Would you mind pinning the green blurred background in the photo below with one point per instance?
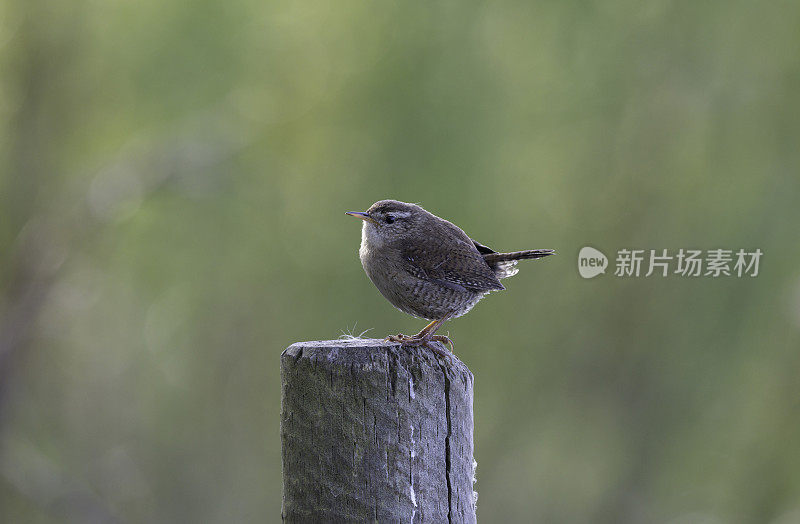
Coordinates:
(172, 186)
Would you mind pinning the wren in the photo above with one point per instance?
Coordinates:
(428, 267)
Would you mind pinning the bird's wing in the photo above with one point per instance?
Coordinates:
(454, 262)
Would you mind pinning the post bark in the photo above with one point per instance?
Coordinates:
(373, 431)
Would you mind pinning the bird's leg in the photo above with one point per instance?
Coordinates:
(428, 333)
(418, 337)
(430, 328)
(424, 337)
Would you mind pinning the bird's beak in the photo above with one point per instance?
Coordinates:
(361, 215)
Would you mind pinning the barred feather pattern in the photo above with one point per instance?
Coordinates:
(504, 264)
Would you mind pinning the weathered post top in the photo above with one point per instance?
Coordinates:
(371, 430)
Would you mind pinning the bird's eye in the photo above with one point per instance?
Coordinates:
(389, 219)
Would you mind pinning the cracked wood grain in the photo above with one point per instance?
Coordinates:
(372, 431)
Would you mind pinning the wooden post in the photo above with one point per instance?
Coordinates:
(372, 431)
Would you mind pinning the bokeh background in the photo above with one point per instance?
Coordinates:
(173, 177)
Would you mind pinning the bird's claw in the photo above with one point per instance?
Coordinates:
(399, 338)
(446, 341)
(405, 340)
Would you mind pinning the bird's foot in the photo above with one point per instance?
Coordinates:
(446, 341)
(424, 340)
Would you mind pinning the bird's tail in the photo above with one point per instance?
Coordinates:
(494, 258)
(503, 264)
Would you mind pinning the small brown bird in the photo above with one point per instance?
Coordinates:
(428, 267)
